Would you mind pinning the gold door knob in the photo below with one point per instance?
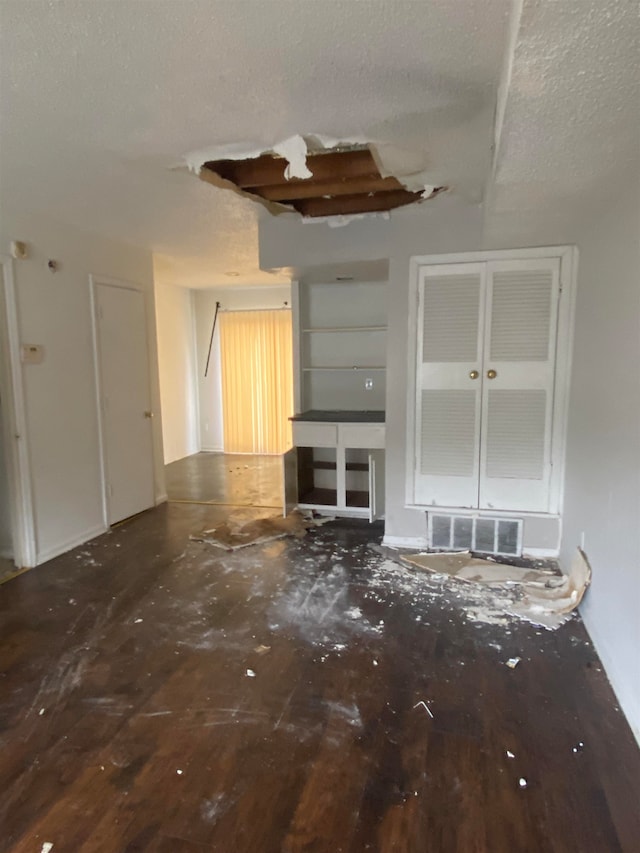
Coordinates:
(148, 414)
(473, 374)
(491, 374)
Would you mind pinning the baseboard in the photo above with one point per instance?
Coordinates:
(63, 547)
(541, 553)
(162, 499)
(205, 449)
(405, 541)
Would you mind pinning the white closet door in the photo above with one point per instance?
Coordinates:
(448, 397)
(517, 403)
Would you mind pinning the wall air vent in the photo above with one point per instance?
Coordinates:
(500, 536)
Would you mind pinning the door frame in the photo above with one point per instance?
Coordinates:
(15, 425)
(94, 282)
(568, 256)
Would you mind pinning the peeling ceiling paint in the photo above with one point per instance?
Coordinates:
(100, 101)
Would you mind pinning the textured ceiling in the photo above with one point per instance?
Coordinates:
(100, 99)
(570, 136)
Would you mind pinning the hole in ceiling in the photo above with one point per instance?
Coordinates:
(341, 183)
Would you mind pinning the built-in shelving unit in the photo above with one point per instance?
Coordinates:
(337, 467)
(341, 345)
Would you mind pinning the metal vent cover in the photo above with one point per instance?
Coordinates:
(500, 536)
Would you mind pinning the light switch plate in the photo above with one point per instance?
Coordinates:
(32, 353)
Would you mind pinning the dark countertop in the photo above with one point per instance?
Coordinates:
(341, 417)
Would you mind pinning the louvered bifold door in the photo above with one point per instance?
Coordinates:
(518, 380)
(448, 386)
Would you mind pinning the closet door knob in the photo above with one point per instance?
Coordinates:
(473, 374)
(491, 374)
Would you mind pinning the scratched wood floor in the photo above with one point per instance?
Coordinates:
(130, 721)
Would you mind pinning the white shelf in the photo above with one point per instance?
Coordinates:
(331, 329)
(352, 369)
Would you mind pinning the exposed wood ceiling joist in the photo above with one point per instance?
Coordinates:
(342, 182)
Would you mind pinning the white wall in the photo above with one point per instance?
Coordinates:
(602, 499)
(603, 458)
(447, 225)
(210, 388)
(177, 367)
(61, 413)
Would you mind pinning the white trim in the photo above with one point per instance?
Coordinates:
(162, 498)
(195, 384)
(295, 329)
(15, 426)
(206, 449)
(405, 541)
(412, 338)
(564, 363)
(102, 452)
(493, 255)
(568, 256)
(69, 544)
(94, 282)
(482, 513)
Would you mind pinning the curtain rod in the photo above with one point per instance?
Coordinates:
(239, 310)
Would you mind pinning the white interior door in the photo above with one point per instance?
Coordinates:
(519, 368)
(451, 302)
(6, 528)
(125, 404)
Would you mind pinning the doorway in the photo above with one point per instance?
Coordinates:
(124, 399)
(256, 361)
(7, 565)
(17, 536)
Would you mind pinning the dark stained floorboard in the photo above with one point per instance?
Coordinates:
(323, 750)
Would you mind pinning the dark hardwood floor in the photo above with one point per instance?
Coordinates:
(161, 695)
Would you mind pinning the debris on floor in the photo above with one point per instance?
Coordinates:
(542, 597)
(232, 537)
(512, 663)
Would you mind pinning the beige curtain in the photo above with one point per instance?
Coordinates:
(257, 380)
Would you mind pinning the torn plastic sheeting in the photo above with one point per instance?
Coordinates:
(294, 151)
